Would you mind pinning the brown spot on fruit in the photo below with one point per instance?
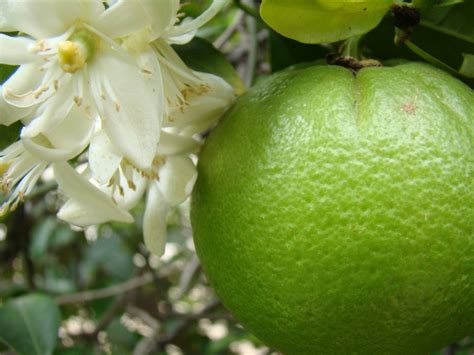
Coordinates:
(409, 108)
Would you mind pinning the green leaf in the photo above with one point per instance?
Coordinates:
(119, 335)
(9, 134)
(41, 233)
(445, 35)
(201, 55)
(111, 255)
(467, 67)
(430, 59)
(30, 324)
(79, 349)
(317, 21)
(446, 38)
(455, 21)
(285, 52)
(6, 71)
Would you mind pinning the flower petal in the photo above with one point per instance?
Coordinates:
(104, 159)
(154, 221)
(28, 86)
(77, 127)
(24, 80)
(132, 194)
(176, 144)
(177, 177)
(49, 154)
(10, 114)
(89, 205)
(63, 142)
(202, 110)
(57, 108)
(181, 39)
(5, 25)
(123, 18)
(14, 50)
(130, 116)
(162, 14)
(201, 20)
(150, 67)
(42, 19)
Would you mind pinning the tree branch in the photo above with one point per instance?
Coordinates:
(110, 291)
(157, 342)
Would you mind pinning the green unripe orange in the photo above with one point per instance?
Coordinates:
(334, 213)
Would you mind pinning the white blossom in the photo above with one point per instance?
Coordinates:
(171, 177)
(101, 80)
(68, 56)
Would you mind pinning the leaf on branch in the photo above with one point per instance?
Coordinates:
(453, 21)
(30, 324)
(446, 35)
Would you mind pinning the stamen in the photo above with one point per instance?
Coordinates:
(78, 101)
(40, 91)
(131, 185)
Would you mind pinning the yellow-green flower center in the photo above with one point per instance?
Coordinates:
(74, 53)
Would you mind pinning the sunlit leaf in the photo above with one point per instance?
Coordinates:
(317, 21)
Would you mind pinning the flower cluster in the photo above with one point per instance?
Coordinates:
(99, 85)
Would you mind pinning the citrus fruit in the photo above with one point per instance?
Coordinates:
(334, 212)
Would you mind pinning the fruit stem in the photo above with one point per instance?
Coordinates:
(352, 47)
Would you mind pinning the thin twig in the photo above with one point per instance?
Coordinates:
(187, 276)
(110, 291)
(251, 24)
(156, 342)
(144, 316)
(249, 10)
(225, 36)
(186, 323)
(110, 314)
